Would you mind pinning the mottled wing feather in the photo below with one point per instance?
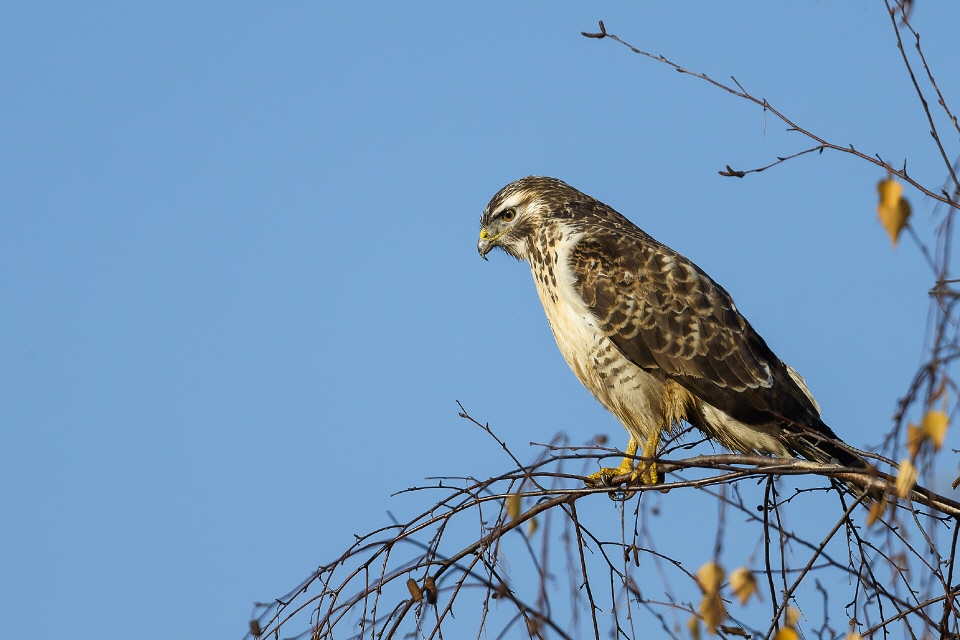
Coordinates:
(663, 313)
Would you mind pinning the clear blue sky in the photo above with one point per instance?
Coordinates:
(239, 288)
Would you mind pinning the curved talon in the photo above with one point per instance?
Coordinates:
(645, 473)
(604, 477)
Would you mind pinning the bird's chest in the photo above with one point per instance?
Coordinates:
(629, 392)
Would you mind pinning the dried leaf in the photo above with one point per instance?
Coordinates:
(743, 583)
(915, 438)
(713, 612)
(893, 209)
(906, 478)
(792, 616)
(853, 635)
(934, 426)
(532, 526)
(513, 506)
(877, 509)
(787, 633)
(693, 625)
(734, 631)
(710, 577)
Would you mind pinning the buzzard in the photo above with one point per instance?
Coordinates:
(651, 335)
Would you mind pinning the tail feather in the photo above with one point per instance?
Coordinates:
(824, 448)
(820, 444)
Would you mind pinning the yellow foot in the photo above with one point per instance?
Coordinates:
(645, 473)
(604, 477)
(650, 475)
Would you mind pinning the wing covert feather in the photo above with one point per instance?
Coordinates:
(663, 313)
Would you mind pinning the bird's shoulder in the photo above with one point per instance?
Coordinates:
(661, 310)
(615, 259)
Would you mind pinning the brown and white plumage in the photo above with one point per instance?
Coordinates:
(651, 335)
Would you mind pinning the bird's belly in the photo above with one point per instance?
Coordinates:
(630, 393)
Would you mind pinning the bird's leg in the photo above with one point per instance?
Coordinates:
(648, 470)
(604, 477)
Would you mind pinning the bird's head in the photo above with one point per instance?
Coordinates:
(517, 212)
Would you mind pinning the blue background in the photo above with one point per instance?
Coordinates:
(239, 288)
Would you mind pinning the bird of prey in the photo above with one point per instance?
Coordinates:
(651, 335)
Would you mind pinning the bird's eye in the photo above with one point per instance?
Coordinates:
(509, 214)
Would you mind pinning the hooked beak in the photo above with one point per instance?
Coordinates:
(487, 242)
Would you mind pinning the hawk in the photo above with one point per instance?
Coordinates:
(651, 335)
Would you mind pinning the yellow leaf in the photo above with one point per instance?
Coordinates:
(513, 505)
(893, 209)
(713, 611)
(915, 438)
(710, 577)
(792, 617)
(532, 526)
(743, 583)
(693, 625)
(787, 633)
(934, 426)
(877, 509)
(906, 478)
(853, 635)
